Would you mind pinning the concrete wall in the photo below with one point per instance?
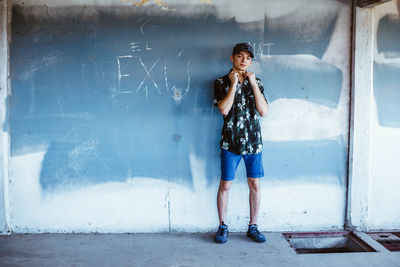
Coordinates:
(360, 127)
(300, 54)
(375, 136)
(385, 120)
(4, 137)
(57, 184)
(303, 57)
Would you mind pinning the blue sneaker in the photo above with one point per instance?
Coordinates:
(255, 234)
(222, 234)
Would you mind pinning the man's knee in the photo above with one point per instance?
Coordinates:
(254, 184)
(224, 186)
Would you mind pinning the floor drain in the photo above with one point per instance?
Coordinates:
(326, 242)
(390, 240)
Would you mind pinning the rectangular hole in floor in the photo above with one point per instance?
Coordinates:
(390, 240)
(326, 242)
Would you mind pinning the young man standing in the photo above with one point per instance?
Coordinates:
(240, 98)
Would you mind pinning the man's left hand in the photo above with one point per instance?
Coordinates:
(252, 78)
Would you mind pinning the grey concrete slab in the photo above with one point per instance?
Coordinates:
(166, 249)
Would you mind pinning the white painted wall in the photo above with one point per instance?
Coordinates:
(384, 211)
(361, 105)
(374, 162)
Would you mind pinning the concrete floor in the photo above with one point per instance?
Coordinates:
(171, 250)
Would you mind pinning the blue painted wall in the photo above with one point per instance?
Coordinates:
(386, 75)
(126, 95)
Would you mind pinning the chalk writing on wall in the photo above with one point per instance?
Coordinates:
(131, 96)
(126, 60)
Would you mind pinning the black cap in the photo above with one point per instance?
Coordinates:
(243, 47)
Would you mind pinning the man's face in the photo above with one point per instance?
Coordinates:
(241, 61)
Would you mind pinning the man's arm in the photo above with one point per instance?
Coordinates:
(226, 103)
(261, 103)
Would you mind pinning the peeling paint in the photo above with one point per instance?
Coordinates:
(139, 3)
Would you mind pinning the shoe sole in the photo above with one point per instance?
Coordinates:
(258, 241)
(220, 241)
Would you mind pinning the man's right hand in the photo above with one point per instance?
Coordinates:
(225, 104)
(234, 77)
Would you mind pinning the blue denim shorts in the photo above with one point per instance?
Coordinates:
(230, 162)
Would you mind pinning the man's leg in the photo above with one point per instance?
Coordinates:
(222, 203)
(254, 198)
(222, 199)
(229, 163)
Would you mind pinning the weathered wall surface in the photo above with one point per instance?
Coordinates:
(113, 128)
(4, 137)
(385, 168)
